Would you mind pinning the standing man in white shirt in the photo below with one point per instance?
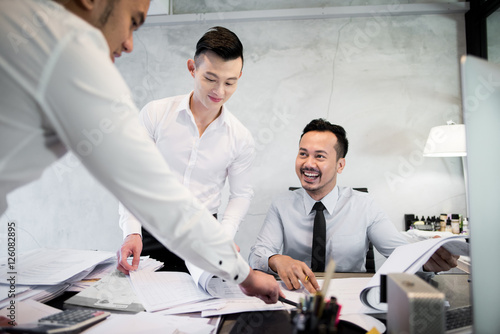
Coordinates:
(284, 245)
(60, 91)
(201, 141)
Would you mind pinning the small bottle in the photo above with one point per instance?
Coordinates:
(437, 223)
(455, 223)
(417, 224)
(448, 225)
(465, 226)
(442, 220)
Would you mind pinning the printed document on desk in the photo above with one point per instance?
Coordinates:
(176, 293)
(410, 259)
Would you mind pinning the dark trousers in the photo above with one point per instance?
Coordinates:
(155, 249)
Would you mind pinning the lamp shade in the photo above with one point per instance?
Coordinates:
(446, 141)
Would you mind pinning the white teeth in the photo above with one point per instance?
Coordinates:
(310, 174)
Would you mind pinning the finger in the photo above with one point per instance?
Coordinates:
(281, 293)
(295, 281)
(123, 259)
(123, 270)
(284, 279)
(135, 261)
(313, 281)
(441, 263)
(306, 282)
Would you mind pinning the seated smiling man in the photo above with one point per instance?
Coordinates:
(351, 218)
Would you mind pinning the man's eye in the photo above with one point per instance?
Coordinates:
(211, 80)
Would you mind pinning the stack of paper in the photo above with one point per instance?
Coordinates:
(43, 274)
(107, 288)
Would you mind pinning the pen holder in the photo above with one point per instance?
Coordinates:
(315, 316)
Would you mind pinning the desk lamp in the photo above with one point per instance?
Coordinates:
(449, 141)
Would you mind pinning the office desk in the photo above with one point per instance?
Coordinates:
(454, 286)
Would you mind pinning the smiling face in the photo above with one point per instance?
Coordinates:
(215, 80)
(118, 19)
(317, 165)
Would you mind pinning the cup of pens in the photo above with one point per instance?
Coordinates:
(317, 314)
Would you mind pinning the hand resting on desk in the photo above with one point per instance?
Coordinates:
(292, 272)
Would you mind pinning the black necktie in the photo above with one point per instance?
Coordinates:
(319, 239)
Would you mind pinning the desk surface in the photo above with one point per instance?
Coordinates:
(455, 287)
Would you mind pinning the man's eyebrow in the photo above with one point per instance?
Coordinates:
(142, 18)
(301, 149)
(215, 75)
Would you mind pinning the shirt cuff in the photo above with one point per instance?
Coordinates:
(132, 227)
(242, 271)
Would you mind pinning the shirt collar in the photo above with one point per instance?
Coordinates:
(329, 201)
(184, 107)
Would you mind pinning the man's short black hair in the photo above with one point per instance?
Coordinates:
(323, 125)
(222, 41)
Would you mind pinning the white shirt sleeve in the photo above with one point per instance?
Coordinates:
(127, 221)
(240, 188)
(269, 241)
(90, 109)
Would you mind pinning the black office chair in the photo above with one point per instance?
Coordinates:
(370, 255)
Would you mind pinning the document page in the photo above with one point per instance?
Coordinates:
(410, 259)
(200, 276)
(162, 290)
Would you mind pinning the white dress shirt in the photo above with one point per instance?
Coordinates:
(352, 220)
(59, 89)
(225, 150)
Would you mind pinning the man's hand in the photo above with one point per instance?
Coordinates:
(441, 260)
(5, 322)
(132, 245)
(263, 286)
(292, 271)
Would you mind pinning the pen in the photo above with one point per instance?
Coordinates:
(287, 301)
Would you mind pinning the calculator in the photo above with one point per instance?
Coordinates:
(65, 322)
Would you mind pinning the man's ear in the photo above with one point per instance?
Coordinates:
(191, 66)
(340, 165)
(86, 4)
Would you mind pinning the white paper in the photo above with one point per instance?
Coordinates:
(199, 276)
(144, 322)
(410, 259)
(51, 266)
(162, 290)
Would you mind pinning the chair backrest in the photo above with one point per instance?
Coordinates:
(370, 255)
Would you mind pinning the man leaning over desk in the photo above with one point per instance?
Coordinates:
(60, 91)
(351, 218)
